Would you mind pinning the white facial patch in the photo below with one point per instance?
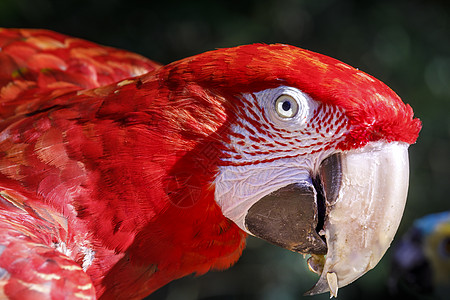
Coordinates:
(238, 188)
(280, 137)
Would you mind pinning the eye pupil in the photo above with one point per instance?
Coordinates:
(286, 105)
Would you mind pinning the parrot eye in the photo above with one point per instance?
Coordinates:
(286, 106)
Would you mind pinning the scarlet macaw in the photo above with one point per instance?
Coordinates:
(119, 175)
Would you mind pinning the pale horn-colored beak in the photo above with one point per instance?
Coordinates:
(360, 225)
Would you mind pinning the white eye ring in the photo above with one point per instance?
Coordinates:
(286, 106)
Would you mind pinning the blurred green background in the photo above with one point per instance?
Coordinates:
(404, 43)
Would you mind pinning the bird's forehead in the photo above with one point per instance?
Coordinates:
(252, 68)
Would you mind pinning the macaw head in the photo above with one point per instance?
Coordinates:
(313, 153)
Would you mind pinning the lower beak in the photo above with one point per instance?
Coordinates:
(355, 209)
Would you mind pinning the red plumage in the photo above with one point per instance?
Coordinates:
(112, 156)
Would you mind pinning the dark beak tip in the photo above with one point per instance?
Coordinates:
(288, 218)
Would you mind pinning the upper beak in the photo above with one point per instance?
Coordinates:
(354, 206)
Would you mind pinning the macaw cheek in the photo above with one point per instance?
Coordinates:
(288, 218)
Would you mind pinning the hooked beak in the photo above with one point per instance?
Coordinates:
(350, 212)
